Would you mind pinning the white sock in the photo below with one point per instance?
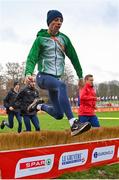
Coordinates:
(39, 106)
(71, 121)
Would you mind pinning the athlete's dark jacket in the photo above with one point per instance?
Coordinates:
(9, 99)
(24, 98)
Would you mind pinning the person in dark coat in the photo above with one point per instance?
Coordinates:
(9, 103)
(26, 96)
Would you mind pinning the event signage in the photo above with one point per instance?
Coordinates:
(103, 153)
(73, 158)
(52, 161)
(34, 165)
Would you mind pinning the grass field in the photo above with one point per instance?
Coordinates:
(104, 172)
(48, 123)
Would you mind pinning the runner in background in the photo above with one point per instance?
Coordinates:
(27, 96)
(9, 101)
(87, 96)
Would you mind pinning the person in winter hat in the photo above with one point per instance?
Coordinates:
(16, 82)
(53, 14)
(48, 51)
(9, 101)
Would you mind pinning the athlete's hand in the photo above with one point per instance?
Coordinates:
(28, 79)
(11, 108)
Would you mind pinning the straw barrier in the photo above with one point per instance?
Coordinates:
(48, 154)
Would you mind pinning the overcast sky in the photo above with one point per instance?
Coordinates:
(91, 25)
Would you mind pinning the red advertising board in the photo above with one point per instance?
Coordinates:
(52, 161)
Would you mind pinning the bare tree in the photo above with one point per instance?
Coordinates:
(68, 76)
(110, 88)
(113, 87)
(14, 70)
(103, 89)
(70, 81)
(2, 84)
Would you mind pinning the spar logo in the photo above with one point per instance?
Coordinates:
(103, 153)
(34, 165)
(73, 159)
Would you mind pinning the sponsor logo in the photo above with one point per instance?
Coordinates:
(34, 165)
(103, 153)
(73, 159)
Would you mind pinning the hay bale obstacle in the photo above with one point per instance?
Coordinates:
(10, 141)
(48, 154)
